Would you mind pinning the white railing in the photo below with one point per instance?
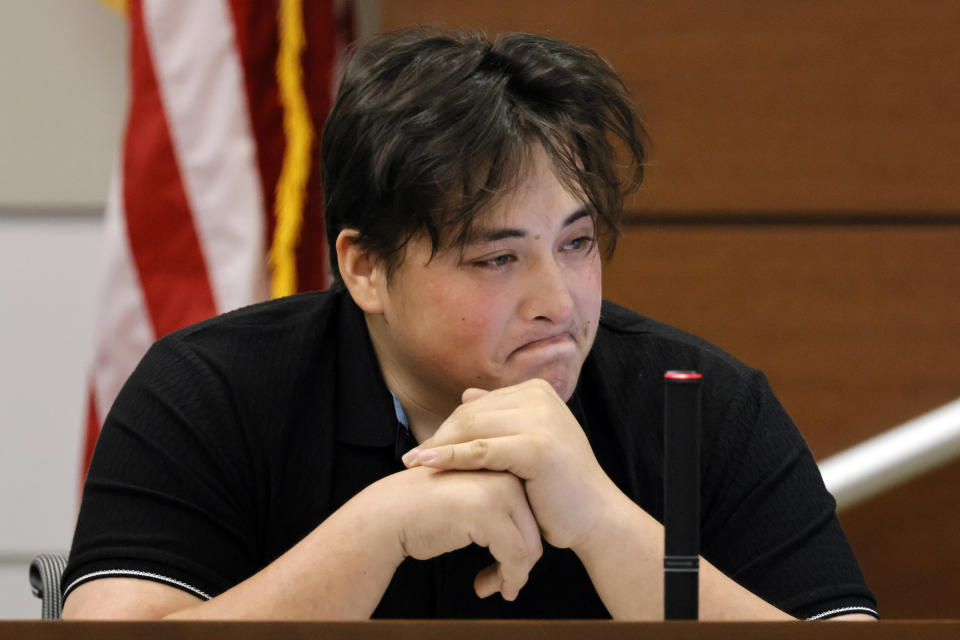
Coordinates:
(894, 457)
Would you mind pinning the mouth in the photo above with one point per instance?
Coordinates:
(558, 342)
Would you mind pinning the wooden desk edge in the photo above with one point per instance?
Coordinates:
(483, 630)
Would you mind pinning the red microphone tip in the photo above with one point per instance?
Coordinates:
(682, 375)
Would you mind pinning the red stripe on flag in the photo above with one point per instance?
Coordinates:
(258, 41)
(324, 29)
(163, 240)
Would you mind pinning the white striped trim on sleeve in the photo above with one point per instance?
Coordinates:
(135, 574)
(844, 610)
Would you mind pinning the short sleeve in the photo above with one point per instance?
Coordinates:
(169, 495)
(769, 522)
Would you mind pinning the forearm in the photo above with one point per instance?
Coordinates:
(339, 571)
(624, 557)
(343, 567)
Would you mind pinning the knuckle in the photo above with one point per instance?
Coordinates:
(480, 449)
(459, 419)
(537, 443)
(542, 386)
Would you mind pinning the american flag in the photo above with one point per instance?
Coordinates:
(215, 202)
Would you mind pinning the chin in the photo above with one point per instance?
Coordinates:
(564, 388)
(561, 382)
(561, 376)
(557, 375)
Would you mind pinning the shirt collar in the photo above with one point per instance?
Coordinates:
(366, 414)
(401, 414)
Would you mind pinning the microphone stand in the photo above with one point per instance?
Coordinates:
(681, 495)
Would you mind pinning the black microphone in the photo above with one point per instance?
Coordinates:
(681, 495)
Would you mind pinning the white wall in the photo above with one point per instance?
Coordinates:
(63, 68)
(48, 276)
(63, 72)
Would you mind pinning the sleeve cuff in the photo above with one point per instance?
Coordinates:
(129, 573)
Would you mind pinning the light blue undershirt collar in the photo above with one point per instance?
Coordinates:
(401, 414)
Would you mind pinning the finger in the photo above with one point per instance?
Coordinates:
(487, 581)
(515, 453)
(503, 412)
(507, 395)
(514, 556)
(527, 386)
(525, 397)
(529, 528)
(472, 393)
(479, 423)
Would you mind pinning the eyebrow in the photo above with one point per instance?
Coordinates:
(492, 235)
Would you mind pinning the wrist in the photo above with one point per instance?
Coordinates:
(618, 524)
(377, 525)
(624, 557)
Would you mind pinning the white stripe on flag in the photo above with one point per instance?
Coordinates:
(123, 331)
(200, 76)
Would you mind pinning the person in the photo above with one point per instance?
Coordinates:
(461, 415)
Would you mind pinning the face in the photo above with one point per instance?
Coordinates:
(520, 301)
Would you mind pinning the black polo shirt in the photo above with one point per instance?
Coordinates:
(236, 437)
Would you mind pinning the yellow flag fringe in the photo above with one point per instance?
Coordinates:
(118, 6)
(291, 187)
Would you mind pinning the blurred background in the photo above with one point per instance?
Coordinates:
(801, 210)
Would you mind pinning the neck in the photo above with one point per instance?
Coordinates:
(426, 410)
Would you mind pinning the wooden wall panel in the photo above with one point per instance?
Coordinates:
(906, 541)
(858, 329)
(768, 107)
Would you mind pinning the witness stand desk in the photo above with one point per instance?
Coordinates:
(482, 630)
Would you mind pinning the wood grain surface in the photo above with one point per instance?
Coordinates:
(768, 107)
(476, 630)
(858, 328)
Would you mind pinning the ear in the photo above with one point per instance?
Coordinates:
(361, 274)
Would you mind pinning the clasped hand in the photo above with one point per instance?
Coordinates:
(528, 431)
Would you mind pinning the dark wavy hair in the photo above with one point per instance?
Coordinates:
(430, 127)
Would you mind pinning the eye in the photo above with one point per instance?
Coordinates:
(501, 260)
(579, 244)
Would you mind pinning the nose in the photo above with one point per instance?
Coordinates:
(547, 293)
